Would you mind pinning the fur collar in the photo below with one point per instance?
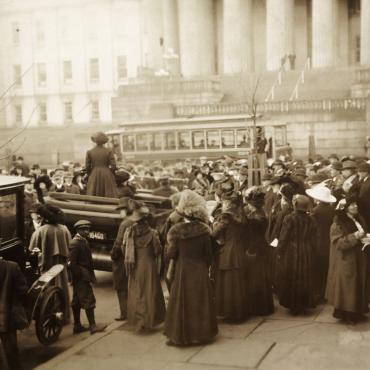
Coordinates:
(186, 230)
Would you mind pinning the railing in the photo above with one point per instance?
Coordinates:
(300, 80)
(363, 75)
(325, 105)
(278, 80)
(166, 86)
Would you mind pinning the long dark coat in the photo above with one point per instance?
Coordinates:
(363, 201)
(145, 301)
(191, 314)
(100, 163)
(13, 288)
(348, 277)
(323, 214)
(259, 290)
(296, 249)
(120, 279)
(230, 288)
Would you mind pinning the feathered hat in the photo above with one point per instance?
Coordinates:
(193, 206)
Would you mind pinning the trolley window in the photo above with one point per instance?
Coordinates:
(128, 143)
(155, 141)
(198, 139)
(227, 138)
(243, 139)
(213, 139)
(141, 142)
(115, 144)
(8, 214)
(169, 141)
(184, 140)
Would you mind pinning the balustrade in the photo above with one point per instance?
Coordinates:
(326, 105)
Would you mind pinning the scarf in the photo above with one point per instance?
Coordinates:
(128, 245)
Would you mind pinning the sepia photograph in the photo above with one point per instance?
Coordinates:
(184, 184)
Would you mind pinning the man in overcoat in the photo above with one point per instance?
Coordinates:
(363, 196)
(120, 281)
(13, 287)
(82, 270)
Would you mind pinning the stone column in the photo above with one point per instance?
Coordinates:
(237, 36)
(365, 32)
(196, 37)
(170, 36)
(279, 32)
(324, 30)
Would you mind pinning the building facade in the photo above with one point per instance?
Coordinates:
(62, 62)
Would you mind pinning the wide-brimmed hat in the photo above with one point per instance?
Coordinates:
(51, 214)
(300, 171)
(139, 214)
(322, 194)
(100, 138)
(256, 198)
(317, 178)
(217, 176)
(267, 176)
(82, 224)
(122, 176)
(334, 156)
(123, 203)
(364, 167)
(349, 165)
(301, 202)
(337, 166)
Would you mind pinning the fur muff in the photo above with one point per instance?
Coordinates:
(193, 206)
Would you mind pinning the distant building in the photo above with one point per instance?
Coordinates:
(65, 64)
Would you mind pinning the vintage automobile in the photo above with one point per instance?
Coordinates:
(45, 301)
(105, 219)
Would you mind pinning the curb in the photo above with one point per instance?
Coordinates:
(78, 347)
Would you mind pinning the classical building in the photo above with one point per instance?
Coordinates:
(74, 66)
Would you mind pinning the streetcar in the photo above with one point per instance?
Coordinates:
(179, 138)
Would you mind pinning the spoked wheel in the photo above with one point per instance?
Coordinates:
(49, 322)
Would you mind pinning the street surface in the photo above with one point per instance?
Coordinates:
(277, 342)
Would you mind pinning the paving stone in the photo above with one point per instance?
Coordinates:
(286, 356)
(123, 343)
(232, 352)
(239, 331)
(297, 331)
(282, 313)
(162, 352)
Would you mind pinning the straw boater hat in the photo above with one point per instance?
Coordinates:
(321, 193)
(99, 138)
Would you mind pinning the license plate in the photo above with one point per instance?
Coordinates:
(97, 235)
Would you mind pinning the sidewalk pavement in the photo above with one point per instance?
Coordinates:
(276, 342)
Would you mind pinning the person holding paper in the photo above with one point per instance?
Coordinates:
(348, 277)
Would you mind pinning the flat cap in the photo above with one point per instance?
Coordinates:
(82, 223)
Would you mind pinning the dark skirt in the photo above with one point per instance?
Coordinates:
(145, 302)
(231, 294)
(191, 314)
(102, 183)
(259, 289)
(296, 280)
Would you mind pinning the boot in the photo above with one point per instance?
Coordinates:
(94, 328)
(77, 327)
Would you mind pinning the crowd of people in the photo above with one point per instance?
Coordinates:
(226, 249)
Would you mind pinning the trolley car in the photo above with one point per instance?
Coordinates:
(179, 138)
